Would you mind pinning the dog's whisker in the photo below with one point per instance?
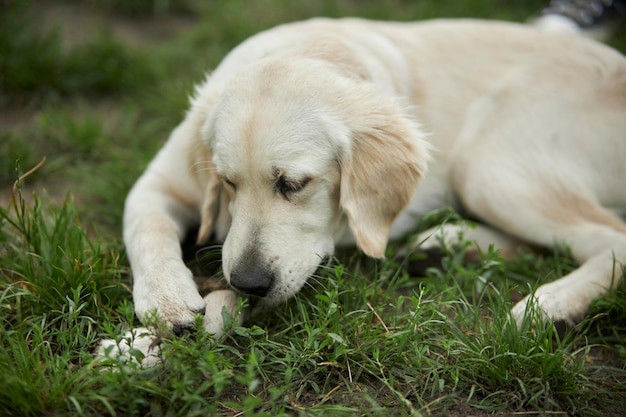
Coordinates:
(213, 249)
(197, 170)
(209, 253)
(313, 281)
(209, 266)
(203, 166)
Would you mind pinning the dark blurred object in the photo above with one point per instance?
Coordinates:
(588, 14)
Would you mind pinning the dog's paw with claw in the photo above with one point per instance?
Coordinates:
(175, 302)
(142, 345)
(552, 302)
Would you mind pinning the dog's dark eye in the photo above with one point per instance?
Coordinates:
(230, 184)
(286, 186)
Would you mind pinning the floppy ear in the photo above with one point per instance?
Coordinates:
(380, 173)
(203, 173)
(210, 210)
(214, 215)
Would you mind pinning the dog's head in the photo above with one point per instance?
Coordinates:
(305, 155)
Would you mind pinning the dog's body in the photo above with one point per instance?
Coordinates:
(319, 133)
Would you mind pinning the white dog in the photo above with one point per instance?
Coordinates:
(336, 132)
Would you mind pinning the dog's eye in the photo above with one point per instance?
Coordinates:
(286, 186)
(230, 184)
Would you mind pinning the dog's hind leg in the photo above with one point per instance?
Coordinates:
(595, 236)
(482, 236)
(433, 243)
(544, 169)
(601, 251)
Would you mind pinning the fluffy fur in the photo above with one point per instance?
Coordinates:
(336, 132)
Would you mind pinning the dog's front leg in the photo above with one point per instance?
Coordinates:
(155, 221)
(159, 210)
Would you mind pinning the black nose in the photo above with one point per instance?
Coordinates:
(253, 280)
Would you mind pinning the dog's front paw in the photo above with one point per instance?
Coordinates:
(168, 295)
(140, 346)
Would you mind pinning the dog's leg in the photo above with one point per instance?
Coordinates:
(595, 236)
(162, 205)
(601, 251)
(434, 241)
(483, 236)
(565, 299)
(530, 169)
(148, 341)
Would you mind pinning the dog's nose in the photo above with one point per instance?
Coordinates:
(255, 280)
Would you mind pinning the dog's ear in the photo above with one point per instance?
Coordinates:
(210, 211)
(214, 216)
(204, 175)
(380, 172)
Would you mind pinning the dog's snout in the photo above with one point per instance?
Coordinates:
(255, 280)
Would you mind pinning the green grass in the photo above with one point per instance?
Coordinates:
(364, 338)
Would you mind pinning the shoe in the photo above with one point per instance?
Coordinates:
(595, 17)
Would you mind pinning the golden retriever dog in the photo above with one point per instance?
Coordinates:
(328, 132)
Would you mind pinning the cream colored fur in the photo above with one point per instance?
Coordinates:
(333, 132)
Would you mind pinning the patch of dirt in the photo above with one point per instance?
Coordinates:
(606, 356)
